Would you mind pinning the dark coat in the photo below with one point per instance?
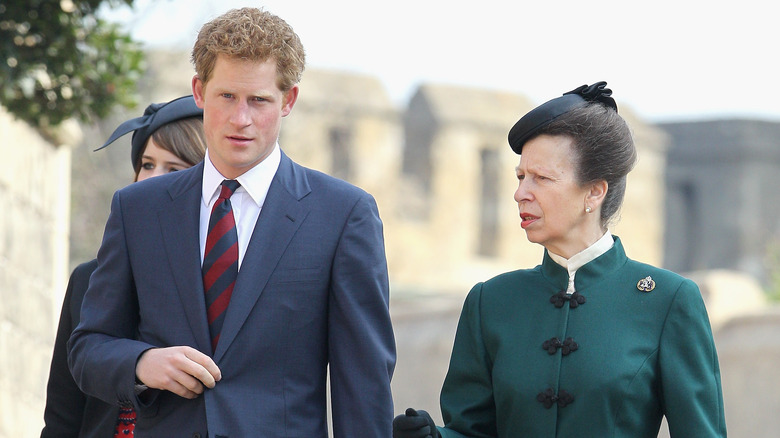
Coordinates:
(69, 413)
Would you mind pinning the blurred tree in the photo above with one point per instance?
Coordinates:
(59, 60)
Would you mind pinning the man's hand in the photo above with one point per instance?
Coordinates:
(181, 370)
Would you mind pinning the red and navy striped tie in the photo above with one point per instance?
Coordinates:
(220, 261)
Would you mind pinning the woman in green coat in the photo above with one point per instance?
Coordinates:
(590, 343)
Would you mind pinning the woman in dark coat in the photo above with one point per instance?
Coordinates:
(590, 343)
(168, 137)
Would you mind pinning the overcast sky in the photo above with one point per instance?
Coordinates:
(667, 60)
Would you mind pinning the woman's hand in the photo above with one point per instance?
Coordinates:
(414, 424)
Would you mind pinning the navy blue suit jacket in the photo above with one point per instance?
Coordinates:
(311, 297)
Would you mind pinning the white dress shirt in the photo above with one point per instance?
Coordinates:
(583, 257)
(247, 201)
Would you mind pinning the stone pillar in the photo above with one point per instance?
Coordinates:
(34, 200)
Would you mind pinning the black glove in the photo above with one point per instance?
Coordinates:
(414, 424)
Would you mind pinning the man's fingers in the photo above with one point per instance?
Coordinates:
(203, 367)
(185, 386)
(181, 370)
(189, 382)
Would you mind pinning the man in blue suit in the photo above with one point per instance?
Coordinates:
(310, 298)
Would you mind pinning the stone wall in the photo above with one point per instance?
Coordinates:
(749, 351)
(34, 198)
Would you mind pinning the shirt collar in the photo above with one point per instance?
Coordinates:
(586, 255)
(255, 181)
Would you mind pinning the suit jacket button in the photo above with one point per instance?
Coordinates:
(196, 435)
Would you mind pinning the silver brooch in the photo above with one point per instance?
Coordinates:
(646, 284)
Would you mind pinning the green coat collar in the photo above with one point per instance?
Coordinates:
(591, 272)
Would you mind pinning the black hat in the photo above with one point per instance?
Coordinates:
(155, 116)
(542, 115)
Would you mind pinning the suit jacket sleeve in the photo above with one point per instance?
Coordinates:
(102, 351)
(361, 345)
(691, 388)
(467, 394)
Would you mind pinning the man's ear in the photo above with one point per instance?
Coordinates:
(198, 88)
(290, 97)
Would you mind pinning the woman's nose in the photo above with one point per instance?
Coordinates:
(521, 194)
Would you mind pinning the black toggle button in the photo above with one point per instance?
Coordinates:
(548, 398)
(575, 299)
(553, 344)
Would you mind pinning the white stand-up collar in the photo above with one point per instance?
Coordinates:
(583, 257)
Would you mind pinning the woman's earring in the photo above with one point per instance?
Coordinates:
(587, 209)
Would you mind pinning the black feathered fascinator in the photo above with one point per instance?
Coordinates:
(542, 115)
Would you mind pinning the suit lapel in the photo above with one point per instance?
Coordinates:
(181, 237)
(280, 217)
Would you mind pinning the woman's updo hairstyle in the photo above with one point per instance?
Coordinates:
(604, 150)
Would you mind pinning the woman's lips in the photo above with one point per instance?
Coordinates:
(527, 219)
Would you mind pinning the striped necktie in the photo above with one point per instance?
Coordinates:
(220, 261)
